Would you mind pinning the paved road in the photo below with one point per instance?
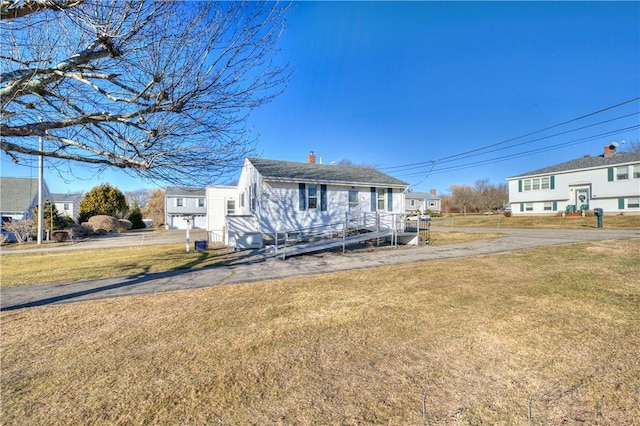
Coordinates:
(514, 239)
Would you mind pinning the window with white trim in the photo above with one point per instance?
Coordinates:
(535, 184)
(200, 202)
(381, 196)
(622, 173)
(633, 203)
(412, 203)
(528, 207)
(545, 183)
(312, 197)
(231, 207)
(636, 171)
(548, 207)
(179, 202)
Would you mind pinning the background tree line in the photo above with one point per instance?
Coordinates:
(481, 197)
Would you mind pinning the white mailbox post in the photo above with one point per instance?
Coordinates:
(189, 219)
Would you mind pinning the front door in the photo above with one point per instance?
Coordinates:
(582, 198)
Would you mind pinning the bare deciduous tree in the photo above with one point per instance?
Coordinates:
(161, 89)
(489, 196)
(463, 196)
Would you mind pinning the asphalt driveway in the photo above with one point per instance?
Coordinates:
(515, 239)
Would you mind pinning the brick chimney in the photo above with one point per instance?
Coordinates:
(311, 158)
(432, 193)
(609, 150)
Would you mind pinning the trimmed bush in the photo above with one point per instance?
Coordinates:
(124, 225)
(60, 236)
(107, 223)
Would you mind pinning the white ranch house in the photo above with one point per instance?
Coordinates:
(275, 196)
(610, 181)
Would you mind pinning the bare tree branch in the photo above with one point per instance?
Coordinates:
(10, 9)
(162, 89)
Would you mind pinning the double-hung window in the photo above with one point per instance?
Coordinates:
(545, 183)
(231, 207)
(381, 197)
(535, 184)
(312, 197)
(622, 173)
(179, 202)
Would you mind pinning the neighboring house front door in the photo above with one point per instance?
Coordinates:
(582, 198)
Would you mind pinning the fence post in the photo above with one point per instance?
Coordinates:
(344, 231)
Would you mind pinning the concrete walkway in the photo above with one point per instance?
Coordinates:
(515, 239)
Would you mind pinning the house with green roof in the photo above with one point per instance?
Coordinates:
(19, 196)
(281, 196)
(610, 181)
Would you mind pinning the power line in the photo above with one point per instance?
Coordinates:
(449, 160)
(483, 148)
(519, 154)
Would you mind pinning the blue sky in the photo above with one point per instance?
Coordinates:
(439, 93)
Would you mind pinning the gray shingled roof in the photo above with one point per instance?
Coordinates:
(18, 194)
(587, 162)
(416, 195)
(65, 198)
(323, 173)
(184, 191)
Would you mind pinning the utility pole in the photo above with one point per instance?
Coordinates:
(40, 195)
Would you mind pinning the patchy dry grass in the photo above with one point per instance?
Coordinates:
(629, 221)
(474, 341)
(67, 266)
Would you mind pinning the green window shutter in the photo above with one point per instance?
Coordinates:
(302, 196)
(374, 198)
(621, 203)
(553, 183)
(555, 205)
(521, 207)
(389, 199)
(610, 174)
(519, 185)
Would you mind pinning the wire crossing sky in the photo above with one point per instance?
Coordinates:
(443, 93)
